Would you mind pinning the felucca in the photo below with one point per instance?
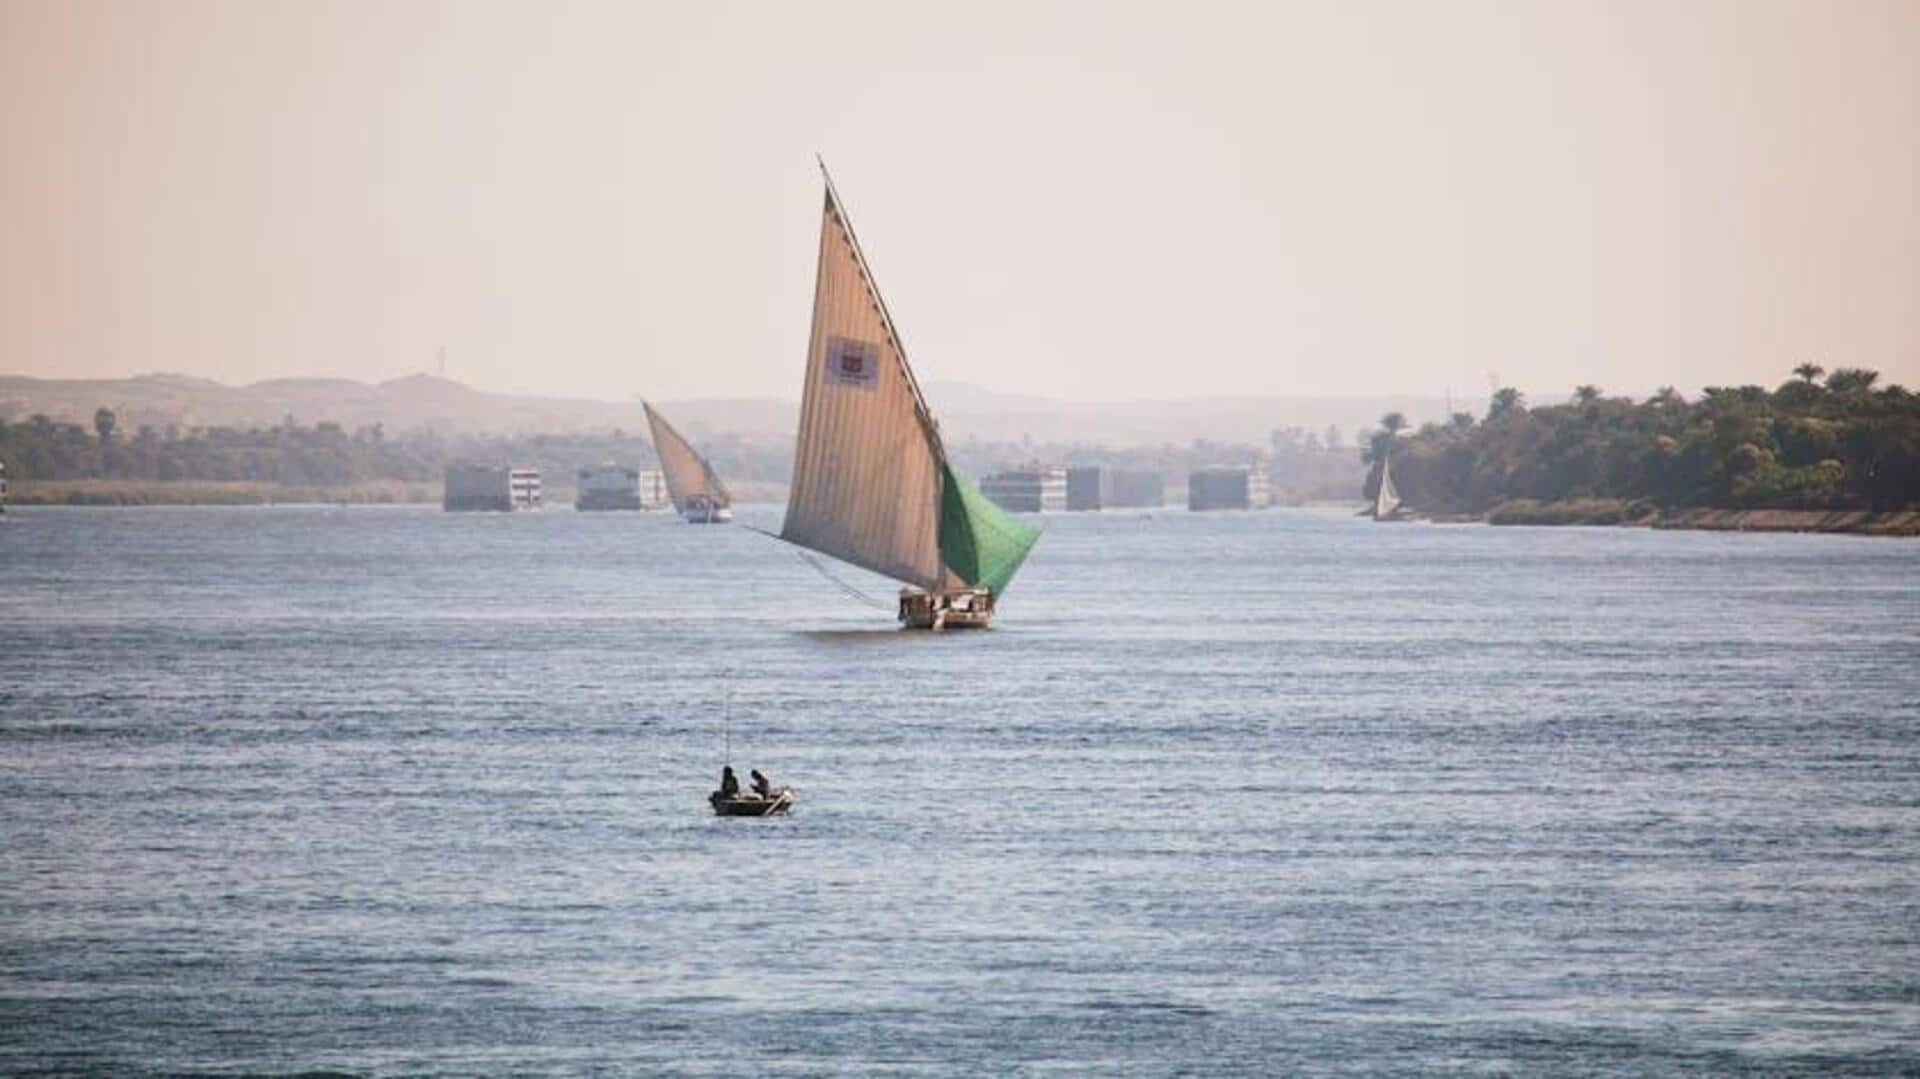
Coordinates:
(872, 485)
(1386, 501)
(695, 488)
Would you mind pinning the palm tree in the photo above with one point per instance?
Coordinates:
(1586, 395)
(104, 421)
(1506, 400)
(1809, 371)
(1377, 447)
(1850, 379)
(1394, 422)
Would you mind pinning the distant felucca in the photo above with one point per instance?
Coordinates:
(1386, 501)
(871, 481)
(697, 493)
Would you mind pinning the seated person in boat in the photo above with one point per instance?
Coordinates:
(729, 786)
(760, 785)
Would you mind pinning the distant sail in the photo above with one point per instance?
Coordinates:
(1386, 500)
(691, 481)
(871, 484)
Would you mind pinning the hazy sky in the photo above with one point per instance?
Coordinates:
(1096, 200)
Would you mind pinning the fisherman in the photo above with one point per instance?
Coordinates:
(729, 784)
(760, 785)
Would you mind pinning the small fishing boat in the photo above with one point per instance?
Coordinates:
(695, 488)
(872, 483)
(752, 805)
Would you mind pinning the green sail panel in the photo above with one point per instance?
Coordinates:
(980, 542)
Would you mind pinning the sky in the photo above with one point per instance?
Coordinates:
(1096, 201)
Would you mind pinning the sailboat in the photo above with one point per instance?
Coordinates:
(872, 484)
(695, 488)
(1386, 501)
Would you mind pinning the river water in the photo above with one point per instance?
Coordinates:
(397, 791)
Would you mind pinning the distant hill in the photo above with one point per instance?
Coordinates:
(415, 402)
(424, 402)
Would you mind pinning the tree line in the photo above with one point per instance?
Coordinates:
(1839, 443)
(323, 454)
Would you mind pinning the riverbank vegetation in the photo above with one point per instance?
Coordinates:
(53, 462)
(1839, 443)
(96, 492)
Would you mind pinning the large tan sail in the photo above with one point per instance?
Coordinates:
(867, 465)
(689, 477)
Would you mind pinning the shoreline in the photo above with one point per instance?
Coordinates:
(251, 493)
(1614, 513)
(1852, 522)
(217, 493)
(1596, 512)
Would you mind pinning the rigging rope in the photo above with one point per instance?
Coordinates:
(840, 584)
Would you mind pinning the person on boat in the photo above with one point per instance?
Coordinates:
(729, 783)
(760, 785)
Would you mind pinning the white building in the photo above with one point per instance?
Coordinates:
(653, 489)
(1028, 490)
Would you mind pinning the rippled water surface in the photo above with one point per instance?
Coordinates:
(390, 790)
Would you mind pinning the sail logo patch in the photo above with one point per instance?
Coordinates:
(853, 363)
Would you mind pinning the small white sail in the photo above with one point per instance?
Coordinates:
(867, 463)
(691, 481)
(1386, 500)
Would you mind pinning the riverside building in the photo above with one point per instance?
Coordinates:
(653, 489)
(1096, 488)
(1229, 489)
(1028, 490)
(617, 487)
(1084, 489)
(488, 488)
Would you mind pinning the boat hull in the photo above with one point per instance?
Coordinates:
(960, 608)
(751, 805)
